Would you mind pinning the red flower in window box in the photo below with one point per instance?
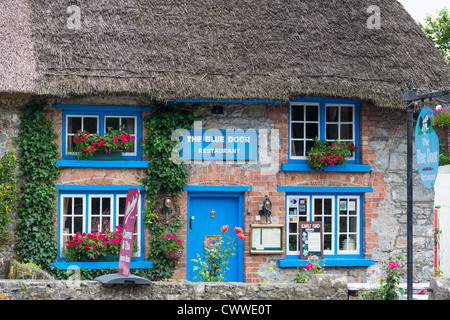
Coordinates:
(325, 153)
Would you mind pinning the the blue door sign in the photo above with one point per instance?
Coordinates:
(427, 148)
(215, 144)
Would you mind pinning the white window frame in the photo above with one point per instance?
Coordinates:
(291, 122)
(65, 236)
(132, 135)
(358, 217)
(91, 215)
(71, 135)
(333, 225)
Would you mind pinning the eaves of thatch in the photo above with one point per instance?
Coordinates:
(221, 49)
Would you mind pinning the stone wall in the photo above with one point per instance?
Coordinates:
(321, 287)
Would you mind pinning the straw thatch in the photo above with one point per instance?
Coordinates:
(226, 49)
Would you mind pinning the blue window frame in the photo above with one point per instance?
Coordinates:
(340, 209)
(96, 119)
(327, 119)
(94, 208)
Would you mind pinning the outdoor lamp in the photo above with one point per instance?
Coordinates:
(167, 206)
(266, 210)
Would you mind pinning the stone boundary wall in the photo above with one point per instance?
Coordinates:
(440, 289)
(321, 287)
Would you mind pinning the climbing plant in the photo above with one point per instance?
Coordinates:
(163, 176)
(8, 193)
(38, 155)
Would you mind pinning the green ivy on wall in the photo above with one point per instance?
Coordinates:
(163, 176)
(8, 193)
(38, 155)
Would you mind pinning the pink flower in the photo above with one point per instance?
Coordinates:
(178, 241)
(115, 139)
(82, 138)
(333, 145)
(392, 265)
(309, 266)
(75, 139)
(85, 149)
(92, 149)
(174, 236)
(168, 236)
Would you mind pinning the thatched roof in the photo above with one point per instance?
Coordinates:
(219, 49)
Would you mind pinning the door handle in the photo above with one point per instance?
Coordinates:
(190, 223)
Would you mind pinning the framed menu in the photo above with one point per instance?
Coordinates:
(266, 238)
(311, 239)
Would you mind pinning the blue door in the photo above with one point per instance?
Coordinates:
(228, 210)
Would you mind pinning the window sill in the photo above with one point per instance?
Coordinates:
(295, 261)
(102, 164)
(142, 264)
(337, 168)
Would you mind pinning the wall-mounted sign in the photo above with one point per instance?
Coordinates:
(220, 145)
(427, 148)
(266, 238)
(311, 239)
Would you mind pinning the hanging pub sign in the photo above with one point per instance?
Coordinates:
(216, 144)
(427, 148)
(126, 244)
(311, 239)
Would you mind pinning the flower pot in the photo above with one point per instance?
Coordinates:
(110, 257)
(102, 155)
(173, 255)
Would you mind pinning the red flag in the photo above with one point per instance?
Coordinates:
(126, 244)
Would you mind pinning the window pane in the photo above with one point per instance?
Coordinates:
(346, 114)
(327, 206)
(297, 148)
(297, 130)
(67, 206)
(309, 145)
(78, 224)
(73, 124)
(312, 113)
(327, 224)
(129, 125)
(332, 132)
(112, 123)
(342, 224)
(317, 206)
(297, 113)
(90, 124)
(312, 130)
(293, 243)
(352, 224)
(332, 114)
(78, 206)
(327, 242)
(95, 206)
(346, 131)
(106, 206)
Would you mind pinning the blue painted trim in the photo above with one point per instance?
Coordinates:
(224, 101)
(334, 190)
(102, 188)
(322, 114)
(101, 108)
(102, 164)
(294, 261)
(101, 112)
(101, 265)
(218, 188)
(338, 168)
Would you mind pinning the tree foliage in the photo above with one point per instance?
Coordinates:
(438, 31)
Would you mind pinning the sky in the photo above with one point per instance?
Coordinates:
(418, 9)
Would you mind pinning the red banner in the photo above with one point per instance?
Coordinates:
(126, 244)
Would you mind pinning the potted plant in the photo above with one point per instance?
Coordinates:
(172, 247)
(441, 119)
(326, 153)
(95, 146)
(95, 246)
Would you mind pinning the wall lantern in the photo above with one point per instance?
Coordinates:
(167, 206)
(266, 210)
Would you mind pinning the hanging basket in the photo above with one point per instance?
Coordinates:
(173, 255)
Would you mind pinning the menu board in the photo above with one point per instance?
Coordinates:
(266, 239)
(311, 239)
